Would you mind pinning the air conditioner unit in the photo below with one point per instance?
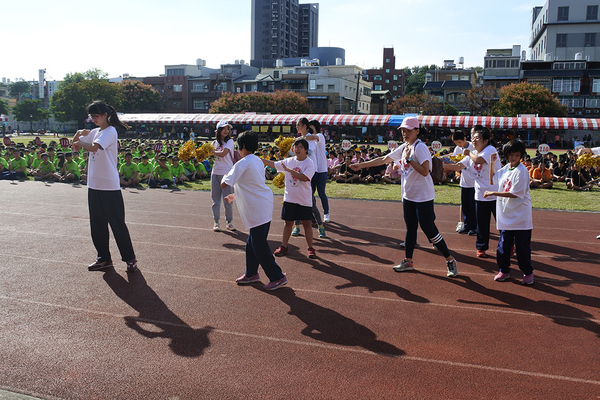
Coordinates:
(588, 111)
(596, 111)
(578, 113)
(571, 110)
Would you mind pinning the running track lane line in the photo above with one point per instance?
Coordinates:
(357, 296)
(320, 345)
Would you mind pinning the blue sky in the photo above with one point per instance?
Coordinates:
(140, 37)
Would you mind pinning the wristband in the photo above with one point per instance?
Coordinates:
(409, 160)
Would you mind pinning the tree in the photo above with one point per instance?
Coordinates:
(139, 97)
(278, 102)
(18, 88)
(3, 107)
(29, 110)
(525, 98)
(481, 100)
(75, 77)
(449, 109)
(415, 78)
(416, 104)
(70, 103)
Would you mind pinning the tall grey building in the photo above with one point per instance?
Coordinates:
(308, 32)
(562, 29)
(278, 31)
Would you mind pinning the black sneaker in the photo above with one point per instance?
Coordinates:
(132, 266)
(100, 265)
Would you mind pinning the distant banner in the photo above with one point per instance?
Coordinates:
(264, 128)
(256, 128)
(276, 128)
(287, 129)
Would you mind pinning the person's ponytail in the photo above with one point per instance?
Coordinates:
(113, 118)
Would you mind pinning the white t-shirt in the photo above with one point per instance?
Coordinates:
(297, 191)
(415, 187)
(481, 173)
(513, 214)
(596, 151)
(253, 198)
(223, 164)
(318, 153)
(103, 173)
(466, 180)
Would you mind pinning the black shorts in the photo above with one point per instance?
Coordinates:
(295, 212)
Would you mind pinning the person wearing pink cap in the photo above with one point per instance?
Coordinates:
(418, 194)
(224, 161)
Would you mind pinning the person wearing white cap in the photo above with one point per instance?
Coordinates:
(418, 193)
(224, 161)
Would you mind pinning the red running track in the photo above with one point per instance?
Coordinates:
(346, 326)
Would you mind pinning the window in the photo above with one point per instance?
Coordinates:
(590, 39)
(200, 87)
(395, 77)
(573, 103)
(592, 103)
(200, 104)
(454, 77)
(387, 71)
(177, 88)
(395, 88)
(174, 72)
(596, 85)
(320, 88)
(331, 87)
(377, 77)
(387, 81)
(276, 74)
(592, 13)
(561, 40)
(569, 65)
(387, 60)
(563, 13)
(377, 87)
(464, 78)
(566, 85)
(177, 104)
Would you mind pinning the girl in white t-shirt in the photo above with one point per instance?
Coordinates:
(513, 209)
(223, 153)
(105, 200)
(418, 193)
(297, 196)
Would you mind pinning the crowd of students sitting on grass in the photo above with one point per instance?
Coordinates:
(140, 164)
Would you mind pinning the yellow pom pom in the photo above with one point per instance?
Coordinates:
(285, 145)
(279, 180)
(588, 160)
(204, 151)
(457, 158)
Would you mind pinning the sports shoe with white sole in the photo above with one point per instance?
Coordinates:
(405, 265)
(452, 269)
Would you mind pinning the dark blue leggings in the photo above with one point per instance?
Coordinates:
(422, 213)
(522, 242)
(484, 211)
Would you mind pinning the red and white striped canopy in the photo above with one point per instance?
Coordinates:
(367, 120)
(3, 118)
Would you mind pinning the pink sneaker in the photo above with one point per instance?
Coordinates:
(247, 279)
(528, 279)
(281, 250)
(276, 284)
(501, 277)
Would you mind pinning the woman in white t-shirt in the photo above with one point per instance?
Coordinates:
(418, 193)
(223, 153)
(105, 199)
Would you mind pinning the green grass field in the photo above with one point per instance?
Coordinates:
(557, 198)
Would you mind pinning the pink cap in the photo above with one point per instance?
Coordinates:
(410, 123)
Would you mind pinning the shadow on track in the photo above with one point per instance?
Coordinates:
(185, 340)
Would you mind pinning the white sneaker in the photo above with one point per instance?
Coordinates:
(598, 237)
(230, 226)
(460, 226)
(217, 227)
(326, 218)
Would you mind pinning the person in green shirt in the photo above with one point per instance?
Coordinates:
(17, 168)
(178, 171)
(35, 163)
(161, 173)
(4, 162)
(46, 169)
(144, 169)
(189, 170)
(70, 169)
(128, 172)
(201, 172)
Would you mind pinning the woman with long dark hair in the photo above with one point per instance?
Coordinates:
(105, 200)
